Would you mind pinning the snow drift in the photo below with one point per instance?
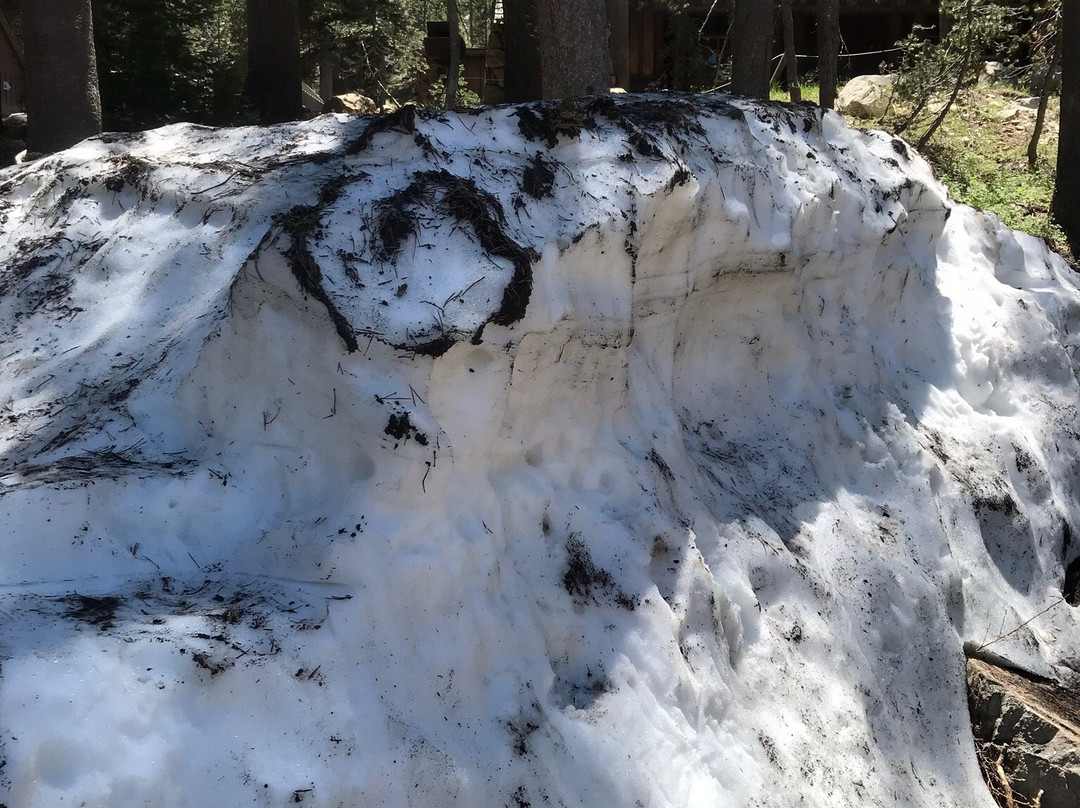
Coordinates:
(656, 451)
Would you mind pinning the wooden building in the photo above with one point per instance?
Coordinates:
(869, 30)
(482, 67)
(12, 71)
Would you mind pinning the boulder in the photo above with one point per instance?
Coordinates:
(866, 96)
(1038, 77)
(1027, 735)
(26, 156)
(991, 73)
(352, 103)
(15, 125)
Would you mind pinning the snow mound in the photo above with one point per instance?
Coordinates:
(655, 451)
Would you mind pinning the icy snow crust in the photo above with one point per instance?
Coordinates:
(652, 452)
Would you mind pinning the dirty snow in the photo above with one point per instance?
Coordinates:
(656, 452)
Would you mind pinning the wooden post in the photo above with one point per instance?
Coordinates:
(794, 91)
(752, 35)
(618, 20)
(455, 55)
(828, 26)
(274, 70)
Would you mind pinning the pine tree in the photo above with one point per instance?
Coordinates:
(274, 70)
(556, 48)
(1066, 204)
(828, 44)
(752, 37)
(62, 101)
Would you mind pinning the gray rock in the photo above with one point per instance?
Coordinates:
(1027, 734)
(15, 125)
(991, 73)
(866, 96)
(352, 103)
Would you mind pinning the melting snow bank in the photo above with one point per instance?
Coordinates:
(657, 452)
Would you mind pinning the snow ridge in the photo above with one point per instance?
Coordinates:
(656, 451)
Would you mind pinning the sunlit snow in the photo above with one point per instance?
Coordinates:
(651, 452)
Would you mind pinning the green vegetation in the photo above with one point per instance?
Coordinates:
(810, 92)
(981, 155)
(161, 61)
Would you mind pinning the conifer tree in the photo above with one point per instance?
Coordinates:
(1066, 204)
(752, 37)
(62, 101)
(274, 71)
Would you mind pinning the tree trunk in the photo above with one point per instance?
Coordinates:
(327, 68)
(618, 20)
(62, 101)
(274, 73)
(555, 49)
(1066, 207)
(521, 77)
(794, 91)
(454, 67)
(960, 78)
(752, 34)
(573, 47)
(828, 47)
(1044, 99)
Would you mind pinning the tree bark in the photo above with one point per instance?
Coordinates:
(1066, 204)
(573, 47)
(454, 67)
(327, 69)
(790, 58)
(274, 71)
(63, 105)
(618, 20)
(555, 49)
(521, 77)
(1044, 99)
(960, 78)
(828, 47)
(752, 34)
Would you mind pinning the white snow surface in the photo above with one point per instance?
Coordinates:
(683, 445)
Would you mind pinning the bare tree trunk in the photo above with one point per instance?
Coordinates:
(555, 48)
(1065, 207)
(790, 57)
(960, 76)
(62, 101)
(618, 20)
(1044, 98)
(573, 47)
(521, 79)
(828, 48)
(752, 33)
(454, 68)
(327, 67)
(274, 73)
